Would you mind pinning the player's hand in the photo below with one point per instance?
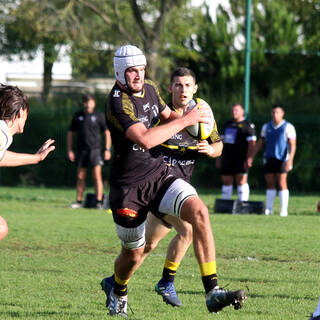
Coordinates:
(248, 163)
(45, 149)
(289, 166)
(197, 114)
(107, 154)
(204, 147)
(71, 156)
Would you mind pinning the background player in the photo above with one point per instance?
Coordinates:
(140, 181)
(14, 109)
(279, 137)
(88, 125)
(180, 152)
(239, 139)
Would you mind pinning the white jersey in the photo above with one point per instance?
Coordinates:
(5, 138)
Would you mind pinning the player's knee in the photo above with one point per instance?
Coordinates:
(3, 228)
(196, 213)
(150, 246)
(133, 256)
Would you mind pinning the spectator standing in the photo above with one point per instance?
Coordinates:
(279, 137)
(89, 125)
(239, 139)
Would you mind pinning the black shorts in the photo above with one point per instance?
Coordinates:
(130, 204)
(87, 158)
(232, 166)
(274, 165)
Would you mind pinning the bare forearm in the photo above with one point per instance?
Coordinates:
(69, 140)
(13, 159)
(149, 138)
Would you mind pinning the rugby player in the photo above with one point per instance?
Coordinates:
(140, 181)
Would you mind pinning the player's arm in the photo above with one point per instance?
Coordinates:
(249, 159)
(107, 151)
(292, 147)
(71, 155)
(149, 138)
(14, 159)
(255, 150)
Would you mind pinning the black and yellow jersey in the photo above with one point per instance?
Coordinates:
(180, 152)
(131, 163)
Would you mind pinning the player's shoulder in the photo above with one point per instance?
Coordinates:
(249, 124)
(5, 138)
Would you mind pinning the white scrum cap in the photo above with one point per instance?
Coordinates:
(125, 57)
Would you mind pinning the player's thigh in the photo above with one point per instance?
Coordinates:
(129, 214)
(95, 158)
(174, 197)
(155, 231)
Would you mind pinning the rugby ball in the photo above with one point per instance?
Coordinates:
(200, 130)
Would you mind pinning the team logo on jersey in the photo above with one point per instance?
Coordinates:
(146, 107)
(116, 93)
(80, 118)
(177, 136)
(143, 119)
(93, 119)
(126, 212)
(155, 110)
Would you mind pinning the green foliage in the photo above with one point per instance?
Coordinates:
(53, 258)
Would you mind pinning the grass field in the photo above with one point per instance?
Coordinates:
(53, 259)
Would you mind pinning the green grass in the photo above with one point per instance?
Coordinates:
(53, 259)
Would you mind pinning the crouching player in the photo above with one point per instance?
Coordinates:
(14, 108)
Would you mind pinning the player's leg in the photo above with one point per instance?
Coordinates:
(156, 229)
(98, 182)
(129, 214)
(316, 314)
(96, 162)
(175, 252)
(181, 200)
(271, 192)
(227, 186)
(243, 186)
(270, 176)
(283, 193)
(242, 180)
(3, 228)
(80, 187)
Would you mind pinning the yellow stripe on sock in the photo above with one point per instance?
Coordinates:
(208, 268)
(120, 281)
(171, 265)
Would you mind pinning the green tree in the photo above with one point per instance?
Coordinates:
(29, 25)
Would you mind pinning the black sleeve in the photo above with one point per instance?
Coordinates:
(73, 126)
(102, 122)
